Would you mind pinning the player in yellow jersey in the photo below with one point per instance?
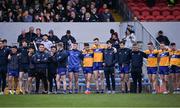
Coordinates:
(164, 57)
(175, 67)
(98, 64)
(152, 63)
(87, 54)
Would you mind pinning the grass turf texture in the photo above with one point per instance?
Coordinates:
(93, 100)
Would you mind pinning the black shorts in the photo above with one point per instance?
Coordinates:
(31, 73)
(23, 68)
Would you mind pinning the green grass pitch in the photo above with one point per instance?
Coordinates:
(93, 100)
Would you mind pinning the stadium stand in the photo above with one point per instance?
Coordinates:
(161, 11)
(55, 11)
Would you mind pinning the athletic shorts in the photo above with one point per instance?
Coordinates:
(62, 71)
(174, 69)
(14, 73)
(74, 69)
(23, 68)
(31, 73)
(151, 70)
(163, 70)
(97, 66)
(124, 70)
(87, 70)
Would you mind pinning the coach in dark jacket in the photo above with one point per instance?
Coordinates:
(109, 63)
(123, 55)
(136, 67)
(67, 40)
(4, 52)
(41, 60)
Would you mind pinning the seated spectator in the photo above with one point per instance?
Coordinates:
(10, 17)
(102, 9)
(107, 16)
(53, 38)
(82, 13)
(26, 17)
(87, 17)
(73, 17)
(94, 15)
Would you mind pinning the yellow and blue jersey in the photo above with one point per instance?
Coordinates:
(98, 53)
(152, 58)
(164, 56)
(87, 58)
(175, 58)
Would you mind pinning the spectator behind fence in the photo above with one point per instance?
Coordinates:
(30, 35)
(39, 36)
(115, 40)
(162, 39)
(22, 37)
(53, 38)
(67, 40)
(129, 38)
(47, 43)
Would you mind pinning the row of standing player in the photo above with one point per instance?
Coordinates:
(93, 59)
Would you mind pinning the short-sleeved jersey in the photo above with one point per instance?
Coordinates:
(152, 58)
(175, 58)
(164, 56)
(98, 53)
(87, 58)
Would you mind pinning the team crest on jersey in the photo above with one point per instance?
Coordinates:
(96, 49)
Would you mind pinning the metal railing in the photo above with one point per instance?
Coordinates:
(143, 36)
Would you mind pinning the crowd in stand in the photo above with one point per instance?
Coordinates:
(55, 11)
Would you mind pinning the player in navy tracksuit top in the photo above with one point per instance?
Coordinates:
(4, 52)
(109, 63)
(61, 58)
(23, 65)
(13, 70)
(74, 63)
(31, 71)
(41, 59)
(52, 68)
(123, 58)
